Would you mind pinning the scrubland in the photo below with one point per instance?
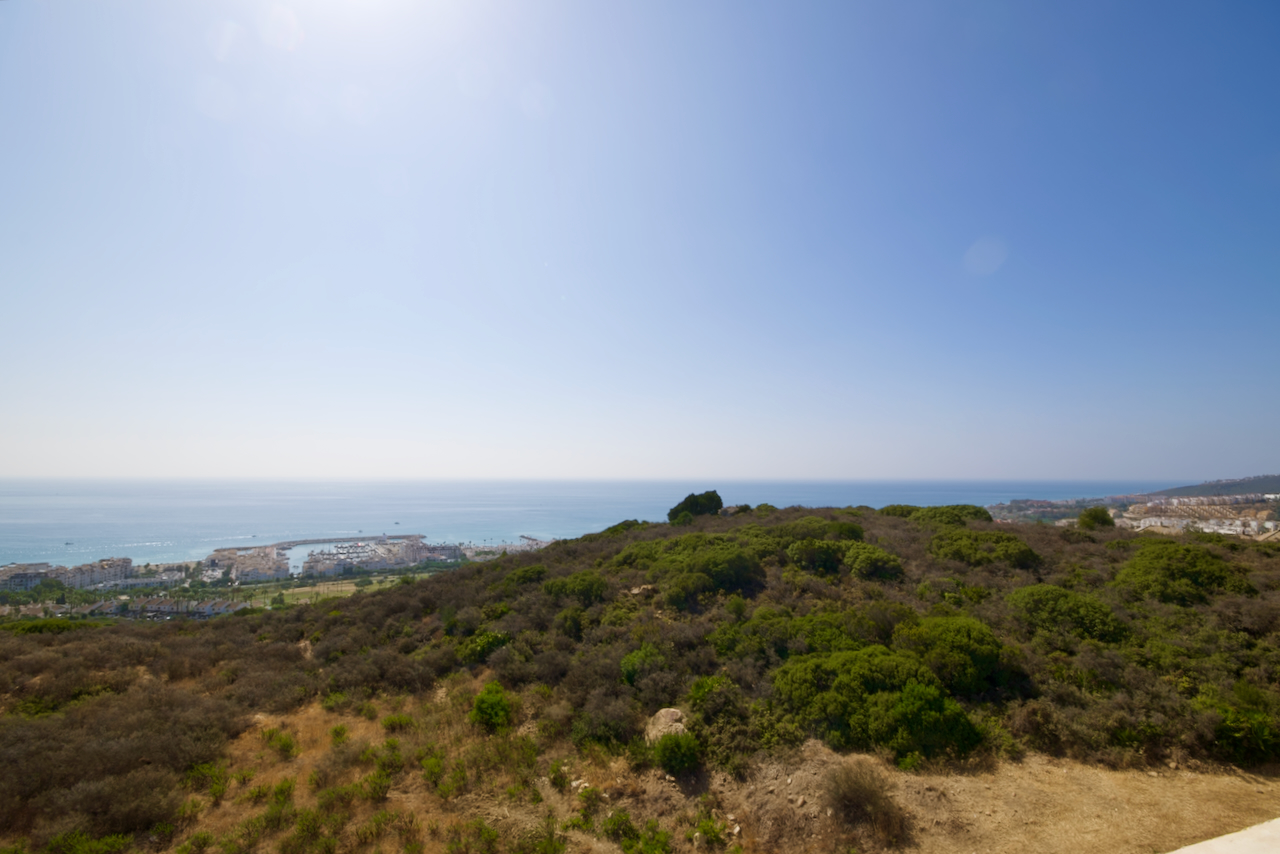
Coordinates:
(909, 678)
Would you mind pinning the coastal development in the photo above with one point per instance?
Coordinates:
(241, 565)
(1230, 508)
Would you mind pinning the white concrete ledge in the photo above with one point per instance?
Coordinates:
(1260, 839)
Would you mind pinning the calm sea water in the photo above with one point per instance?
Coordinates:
(71, 522)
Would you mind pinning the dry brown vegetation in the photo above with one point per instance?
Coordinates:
(989, 654)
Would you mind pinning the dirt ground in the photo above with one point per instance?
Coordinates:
(1039, 804)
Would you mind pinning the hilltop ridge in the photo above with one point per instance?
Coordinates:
(1264, 483)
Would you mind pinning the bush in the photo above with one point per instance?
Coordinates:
(979, 548)
(1095, 517)
(677, 753)
(951, 514)
(528, 574)
(618, 827)
(821, 556)
(873, 696)
(559, 775)
(729, 566)
(920, 720)
(281, 742)
(1181, 574)
(641, 662)
(398, 723)
(704, 504)
(867, 561)
(857, 794)
(902, 511)
(587, 587)
(477, 648)
(80, 843)
(492, 708)
(1045, 607)
(961, 651)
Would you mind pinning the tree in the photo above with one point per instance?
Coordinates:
(697, 505)
(1096, 517)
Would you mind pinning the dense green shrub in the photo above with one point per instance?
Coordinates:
(919, 720)
(492, 708)
(1247, 731)
(961, 651)
(682, 591)
(477, 648)
(1181, 574)
(902, 511)
(1045, 607)
(873, 696)
(821, 556)
(703, 504)
(978, 548)
(641, 662)
(677, 752)
(867, 561)
(772, 634)
(720, 720)
(528, 574)
(1095, 517)
(588, 587)
(813, 528)
(617, 530)
(729, 566)
(951, 514)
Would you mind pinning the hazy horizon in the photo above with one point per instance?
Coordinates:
(633, 241)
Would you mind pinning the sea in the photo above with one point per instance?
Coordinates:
(70, 522)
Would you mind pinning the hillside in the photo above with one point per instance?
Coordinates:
(1265, 483)
(453, 713)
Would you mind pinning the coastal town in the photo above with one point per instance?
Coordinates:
(224, 573)
(1250, 515)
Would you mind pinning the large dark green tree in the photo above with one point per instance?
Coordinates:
(697, 505)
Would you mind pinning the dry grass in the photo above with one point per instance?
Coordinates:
(860, 795)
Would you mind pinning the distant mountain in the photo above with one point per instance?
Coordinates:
(1260, 483)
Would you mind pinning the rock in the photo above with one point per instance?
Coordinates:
(731, 817)
(697, 840)
(576, 783)
(800, 801)
(737, 828)
(670, 779)
(666, 721)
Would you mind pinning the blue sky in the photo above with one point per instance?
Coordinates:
(844, 240)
